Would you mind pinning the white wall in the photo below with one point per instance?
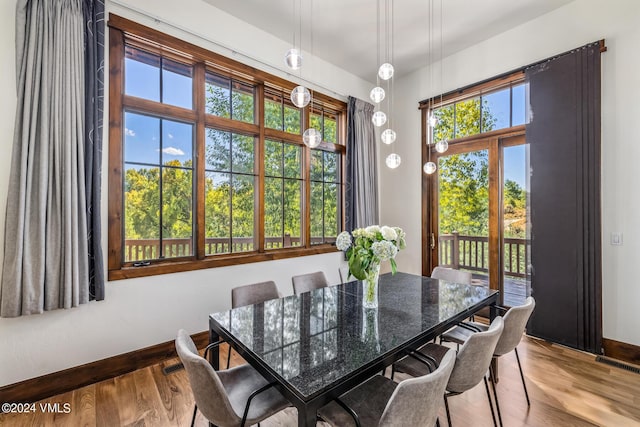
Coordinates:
(573, 25)
(141, 312)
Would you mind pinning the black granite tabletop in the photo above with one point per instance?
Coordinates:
(314, 339)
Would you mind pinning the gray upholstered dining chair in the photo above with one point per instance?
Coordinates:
(515, 322)
(309, 282)
(380, 401)
(343, 271)
(451, 275)
(472, 363)
(254, 293)
(233, 397)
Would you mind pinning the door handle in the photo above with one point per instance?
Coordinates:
(433, 241)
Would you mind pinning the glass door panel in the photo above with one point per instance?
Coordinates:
(516, 243)
(463, 213)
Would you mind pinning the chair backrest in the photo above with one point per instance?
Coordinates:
(514, 323)
(254, 294)
(309, 282)
(451, 275)
(343, 271)
(474, 358)
(415, 402)
(208, 391)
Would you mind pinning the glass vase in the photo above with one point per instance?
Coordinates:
(370, 287)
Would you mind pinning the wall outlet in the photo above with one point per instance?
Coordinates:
(616, 239)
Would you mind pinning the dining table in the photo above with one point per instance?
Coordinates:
(317, 345)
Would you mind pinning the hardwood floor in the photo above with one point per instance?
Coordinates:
(567, 388)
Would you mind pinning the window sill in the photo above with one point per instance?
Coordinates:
(167, 267)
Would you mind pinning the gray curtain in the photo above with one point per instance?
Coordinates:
(46, 262)
(94, 100)
(566, 249)
(362, 166)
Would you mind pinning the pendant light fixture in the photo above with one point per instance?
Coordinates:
(384, 76)
(432, 121)
(293, 57)
(300, 95)
(311, 137)
(393, 161)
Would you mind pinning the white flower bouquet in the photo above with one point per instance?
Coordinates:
(367, 247)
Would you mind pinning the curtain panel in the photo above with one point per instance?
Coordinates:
(362, 167)
(564, 142)
(47, 230)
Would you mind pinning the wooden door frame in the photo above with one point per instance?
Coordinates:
(493, 142)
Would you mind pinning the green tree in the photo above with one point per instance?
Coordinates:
(463, 178)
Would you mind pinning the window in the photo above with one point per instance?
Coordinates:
(494, 110)
(325, 122)
(207, 163)
(475, 215)
(324, 197)
(283, 195)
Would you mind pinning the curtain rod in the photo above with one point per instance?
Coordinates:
(233, 51)
(603, 48)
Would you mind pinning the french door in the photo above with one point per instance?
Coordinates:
(475, 212)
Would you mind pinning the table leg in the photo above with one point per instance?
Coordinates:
(306, 417)
(214, 354)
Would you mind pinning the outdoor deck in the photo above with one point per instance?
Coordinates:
(516, 291)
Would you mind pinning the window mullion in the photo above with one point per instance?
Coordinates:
(306, 179)
(200, 161)
(259, 167)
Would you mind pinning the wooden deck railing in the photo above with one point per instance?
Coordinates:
(148, 249)
(472, 253)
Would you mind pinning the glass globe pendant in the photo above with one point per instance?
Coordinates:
(429, 168)
(311, 138)
(293, 59)
(442, 146)
(385, 72)
(393, 161)
(377, 94)
(300, 96)
(433, 120)
(379, 118)
(388, 136)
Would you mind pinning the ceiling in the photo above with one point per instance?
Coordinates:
(345, 31)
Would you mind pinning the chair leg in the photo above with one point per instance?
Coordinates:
(229, 357)
(393, 371)
(522, 377)
(495, 394)
(437, 421)
(193, 419)
(446, 407)
(493, 414)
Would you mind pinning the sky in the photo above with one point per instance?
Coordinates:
(150, 139)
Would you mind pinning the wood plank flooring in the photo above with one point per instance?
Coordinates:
(567, 388)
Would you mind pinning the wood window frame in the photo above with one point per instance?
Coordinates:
(125, 32)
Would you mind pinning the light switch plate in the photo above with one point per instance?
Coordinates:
(616, 239)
